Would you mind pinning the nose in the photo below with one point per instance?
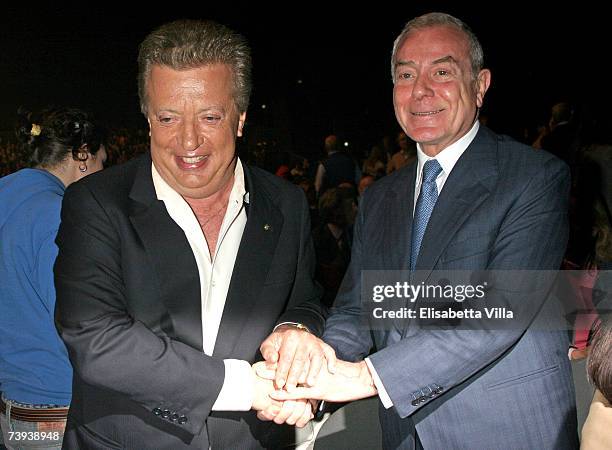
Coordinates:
(422, 87)
(189, 136)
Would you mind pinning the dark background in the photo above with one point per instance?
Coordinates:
(318, 67)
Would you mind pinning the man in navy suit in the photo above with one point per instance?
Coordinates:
(472, 201)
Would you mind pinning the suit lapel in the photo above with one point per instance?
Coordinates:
(255, 255)
(172, 259)
(469, 184)
(397, 213)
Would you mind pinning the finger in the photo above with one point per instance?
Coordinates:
(306, 417)
(270, 366)
(268, 351)
(297, 367)
(297, 394)
(330, 355)
(285, 412)
(298, 411)
(272, 410)
(265, 416)
(264, 372)
(304, 374)
(287, 352)
(316, 363)
(304, 420)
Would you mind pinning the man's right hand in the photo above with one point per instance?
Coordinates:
(299, 356)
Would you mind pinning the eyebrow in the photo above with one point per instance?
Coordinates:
(216, 108)
(444, 59)
(404, 63)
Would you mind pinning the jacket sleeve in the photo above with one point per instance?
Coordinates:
(304, 305)
(345, 329)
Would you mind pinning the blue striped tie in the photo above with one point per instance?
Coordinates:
(424, 206)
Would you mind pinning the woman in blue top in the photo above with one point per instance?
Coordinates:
(63, 145)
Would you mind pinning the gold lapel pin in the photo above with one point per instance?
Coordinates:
(267, 227)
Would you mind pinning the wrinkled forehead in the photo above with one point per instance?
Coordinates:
(432, 43)
(213, 81)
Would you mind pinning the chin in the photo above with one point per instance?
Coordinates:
(425, 137)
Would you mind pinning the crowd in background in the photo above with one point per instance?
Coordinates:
(335, 176)
(583, 140)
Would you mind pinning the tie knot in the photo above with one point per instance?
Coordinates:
(431, 170)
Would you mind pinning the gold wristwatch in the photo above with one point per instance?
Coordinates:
(297, 325)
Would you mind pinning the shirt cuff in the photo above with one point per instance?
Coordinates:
(382, 392)
(237, 390)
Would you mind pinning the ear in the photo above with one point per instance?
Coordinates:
(241, 121)
(483, 81)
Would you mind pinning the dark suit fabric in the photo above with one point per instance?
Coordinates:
(129, 310)
(504, 206)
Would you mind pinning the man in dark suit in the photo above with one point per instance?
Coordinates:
(338, 168)
(562, 139)
(174, 267)
(473, 201)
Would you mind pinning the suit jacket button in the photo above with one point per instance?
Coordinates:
(165, 413)
(157, 411)
(174, 417)
(182, 420)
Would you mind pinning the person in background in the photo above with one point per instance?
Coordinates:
(332, 239)
(63, 145)
(365, 182)
(560, 137)
(597, 429)
(375, 164)
(338, 168)
(404, 156)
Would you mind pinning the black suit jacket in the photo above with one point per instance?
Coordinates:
(129, 311)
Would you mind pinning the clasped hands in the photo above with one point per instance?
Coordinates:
(300, 369)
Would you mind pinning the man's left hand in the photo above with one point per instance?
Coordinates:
(352, 381)
(299, 354)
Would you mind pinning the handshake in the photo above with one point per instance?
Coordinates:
(298, 371)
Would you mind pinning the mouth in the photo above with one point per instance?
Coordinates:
(427, 113)
(193, 159)
(191, 162)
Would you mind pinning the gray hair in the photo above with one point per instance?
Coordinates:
(187, 44)
(442, 19)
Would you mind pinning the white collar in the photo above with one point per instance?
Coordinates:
(166, 193)
(449, 156)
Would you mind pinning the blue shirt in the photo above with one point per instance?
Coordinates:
(34, 365)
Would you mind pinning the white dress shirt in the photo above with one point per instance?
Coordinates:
(447, 158)
(215, 274)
